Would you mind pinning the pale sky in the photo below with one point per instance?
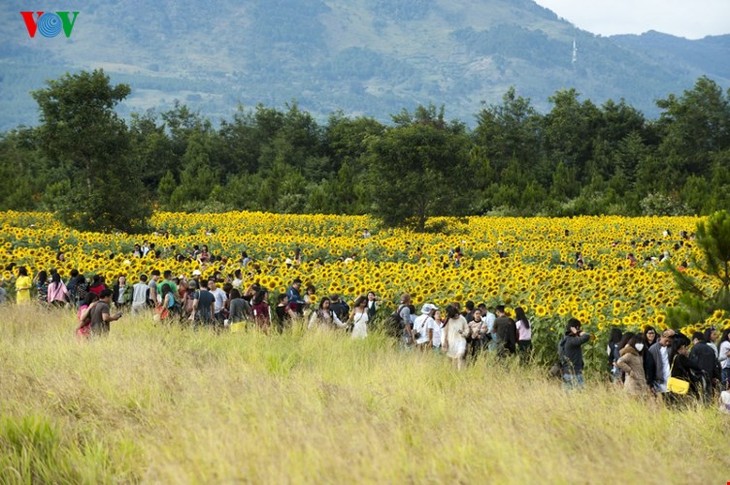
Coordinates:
(692, 19)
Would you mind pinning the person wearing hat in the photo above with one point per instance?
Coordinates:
(424, 325)
(572, 354)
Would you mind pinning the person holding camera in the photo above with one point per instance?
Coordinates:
(101, 316)
(572, 354)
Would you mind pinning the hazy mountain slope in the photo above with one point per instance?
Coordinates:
(709, 56)
(371, 57)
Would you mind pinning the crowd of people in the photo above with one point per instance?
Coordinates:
(670, 363)
(644, 364)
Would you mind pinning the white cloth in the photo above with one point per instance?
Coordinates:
(666, 368)
(455, 330)
(436, 342)
(360, 324)
(220, 300)
(120, 297)
(523, 332)
(139, 293)
(421, 326)
(490, 318)
(724, 349)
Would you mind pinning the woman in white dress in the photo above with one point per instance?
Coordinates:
(454, 336)
(360, 318)
(324, 317)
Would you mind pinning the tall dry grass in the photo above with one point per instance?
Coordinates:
(169, 405)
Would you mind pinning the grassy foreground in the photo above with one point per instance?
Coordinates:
(156, 404)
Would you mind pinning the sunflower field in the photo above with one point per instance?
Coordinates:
(528, 262)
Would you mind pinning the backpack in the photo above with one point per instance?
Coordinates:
(394, 324)
(557, 368)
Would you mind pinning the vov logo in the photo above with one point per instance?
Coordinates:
(49, 24)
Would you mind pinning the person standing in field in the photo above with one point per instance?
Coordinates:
(660, 353)
(477, 333)
(57, 292)
(41, 286)
(631, 362)
(101, 316)
(372, 305)
(424, 325)
(296, 302)
(71, 286)
(220, 300)
(120, 293)
(83, 315)
(81, 290)
(140, 292)
(404, 311)
(165, 308)
(704, 356)
(23, 284)
(236, 307)
(489, 318)
(572, 354)
(711, 335)
(341, 308)
(524, 332)
(324, 317)
(284, 314)
(613, 350)
(359, 318)
(310, 301)
(506, 331)
(167, 279)
(261, 310)
(438, 329)
(152, 295)
(454, 336)
(203, 305)
(681, 367)
(97, 285)
(724, 353)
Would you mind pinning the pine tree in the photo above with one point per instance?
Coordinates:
(698, 301)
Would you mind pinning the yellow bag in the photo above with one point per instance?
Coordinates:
(677, 386)
(238, 327)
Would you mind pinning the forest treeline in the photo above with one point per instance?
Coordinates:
(578, 158)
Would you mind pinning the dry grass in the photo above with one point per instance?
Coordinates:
(158, 404)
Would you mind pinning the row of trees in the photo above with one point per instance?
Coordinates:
(99, 171)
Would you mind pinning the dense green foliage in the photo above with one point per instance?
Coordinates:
(85, 143)
(578, 158)
(697, 304)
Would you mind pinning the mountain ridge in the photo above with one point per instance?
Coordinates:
(364, 57)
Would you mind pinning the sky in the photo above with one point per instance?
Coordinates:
(692, 19)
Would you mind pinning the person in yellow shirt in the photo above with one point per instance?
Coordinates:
(23, 285)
